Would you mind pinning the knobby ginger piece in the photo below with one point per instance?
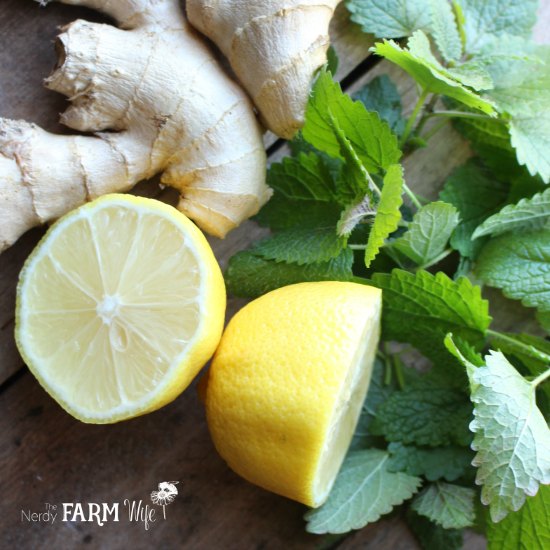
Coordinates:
(274, 47)
(157, 102)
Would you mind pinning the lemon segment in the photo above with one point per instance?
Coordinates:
(287, 383)
(119, 307)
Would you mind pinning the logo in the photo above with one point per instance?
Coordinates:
(166, 494)
(103, 512)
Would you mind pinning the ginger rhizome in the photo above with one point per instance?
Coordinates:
(158, 102)
(274, 47)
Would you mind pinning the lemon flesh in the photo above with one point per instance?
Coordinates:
(287, 384)
(119, 307)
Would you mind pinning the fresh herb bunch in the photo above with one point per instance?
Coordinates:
(474, 427)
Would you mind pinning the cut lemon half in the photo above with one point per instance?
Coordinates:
(118, 308)
(287, 385)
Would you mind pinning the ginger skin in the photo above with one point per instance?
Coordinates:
(158, 102)
(274, 47)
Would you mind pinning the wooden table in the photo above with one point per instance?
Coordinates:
(48, 457)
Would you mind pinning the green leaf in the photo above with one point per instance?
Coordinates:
(530, 134)
(381, 96)
(445, 31)
(332, 60)
(425, 414)
(432, 77)
(302, 245)
(512, 438)
(433, 463)
(428, 233)
(371, 138)
(422, 308)
(493, 132)
(476, 195)
(531, 213)
(450, 506)
(282, 213)
(388, 214)
(378, 392)
(526, 529)
(432, 536)
(390, 18)
(304, 194)
(354, 181)
(248, 275)
(543, 317)
(521, 74)
(305, 178)
(484, 18)
(519, 264)
(364, 490)
(533, 351)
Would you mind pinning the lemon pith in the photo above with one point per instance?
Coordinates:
(287, 383)
(118, 308)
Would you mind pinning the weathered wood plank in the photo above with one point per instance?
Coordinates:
(46, 456)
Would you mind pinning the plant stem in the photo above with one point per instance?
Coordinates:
(540, 378)
(412, 196)
(412, 119)
(429, 109)
(357, 246)
(462, 114)
(516, 343)
(398, 367)
(372, 184)
(437, 259)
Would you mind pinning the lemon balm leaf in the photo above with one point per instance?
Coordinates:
(484, 18)
(445, 30)
(382, 96)
(531, 213)
(512, 438)
(363, 491)
(282, 213)
(428, 233)
(519, 264)
(249, 275)
(476, 194)
(450, 506)
(370, 137)
(302, 245)
(388, 214)
(420, 63)
(432, 536)
(449, 462)
(425, 413)
(390, 18)
(526, 528)
(422, 308)
(304, 177)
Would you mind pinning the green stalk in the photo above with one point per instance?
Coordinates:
(540, 378)
(412, 119)
(528, 348)
(463, 114)
(411, 195)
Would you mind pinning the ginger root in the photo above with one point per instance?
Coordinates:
(157, 101)
(274, 47)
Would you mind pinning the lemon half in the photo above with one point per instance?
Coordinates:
(287, 384)
(119, 307)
